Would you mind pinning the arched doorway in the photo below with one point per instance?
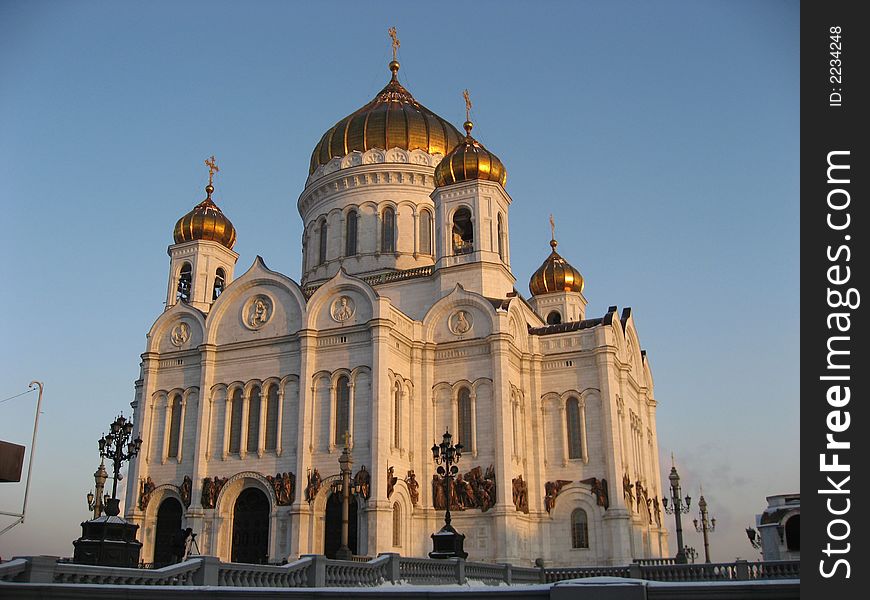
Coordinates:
(168, 524)
(251, 527)
(332, 529)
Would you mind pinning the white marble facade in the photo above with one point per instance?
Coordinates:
(397, 343)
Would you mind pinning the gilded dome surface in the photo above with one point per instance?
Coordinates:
(469, 160)
(555, 275)
(205, 222)
(392, 119)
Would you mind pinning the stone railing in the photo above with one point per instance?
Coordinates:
(314, 570)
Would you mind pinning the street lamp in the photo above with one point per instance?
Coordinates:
(447, 543)
(346, 464)
(677, 507)
(705, 525)
(96, 501)
(118, 446)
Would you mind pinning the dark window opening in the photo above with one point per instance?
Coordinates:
(350, 234)
(793, 534)
(220, 280)
(579, 529)
(185, 281)
(463, 232)
(388, 233)
(323, 231)
(554, 318)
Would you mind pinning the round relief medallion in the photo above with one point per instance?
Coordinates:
(179, 334)
(459, 322)
(257, 311)
(342, 309)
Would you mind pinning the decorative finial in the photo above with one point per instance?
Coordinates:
(673, 464)
(394, 64)
(468, 124)
(212, 169)
(553, 242)
(346, 439)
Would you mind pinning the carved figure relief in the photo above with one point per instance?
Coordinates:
(551, 492)
(474, 489)
(460, 322)
(391, 481)
(342, 309)
(257, 312)
(657, 509)
(363, 482)
(413, 487)
(186, 487)
(179, 334)
(520, 494)
(146, 488)
(210, 490)
(626, 490)
(599, 490)
(314, 483)
(284, 485)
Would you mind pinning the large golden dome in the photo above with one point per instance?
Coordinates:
(393, 119)
(555, 275)
(469, 160)
(205, 222)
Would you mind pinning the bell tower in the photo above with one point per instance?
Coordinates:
(201, 261)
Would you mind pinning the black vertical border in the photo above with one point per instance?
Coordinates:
(825, 129)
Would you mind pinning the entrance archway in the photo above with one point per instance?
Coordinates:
(332, 528)
(168, 524)
(251, 527)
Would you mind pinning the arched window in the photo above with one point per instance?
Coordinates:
(185, 281)
(500, 238)
(350, 234)
(220, 280)
(572, 409)
(323, 232)
(426, 232)
(465, 433)
(236, 421)
(388, 231)
(793, 533)
(342, 408)
(554, 318)
(397, 423)
(397, 524)
(254, 420)
(272, 417)
(579, 529)
(174, 425)
(463, 232)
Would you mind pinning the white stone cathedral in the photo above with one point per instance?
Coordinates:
(406, 323)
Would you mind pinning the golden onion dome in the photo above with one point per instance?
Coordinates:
(555, 275)
(468, 161)
(392, 119)
(205, 222)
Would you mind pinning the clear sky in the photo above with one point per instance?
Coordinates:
(663, 136)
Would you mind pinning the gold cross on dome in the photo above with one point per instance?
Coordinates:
(552, 228)
(212, 168)
(467, 105)
(395, 37)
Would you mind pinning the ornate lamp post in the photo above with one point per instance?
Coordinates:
(705, 526)
(447, 543)
(118, 447)
(346, 464)
(677, 507)
(95, 498)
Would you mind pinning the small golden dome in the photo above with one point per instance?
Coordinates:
(469, 161)
(205, 222)
(392, 119)
(555, 275)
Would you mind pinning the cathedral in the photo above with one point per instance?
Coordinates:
(406, 323)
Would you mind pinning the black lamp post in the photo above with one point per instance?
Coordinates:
(346, 465)
(95, 498)
(704, 526)
(677, 507)
(118, 447)
(447, 542)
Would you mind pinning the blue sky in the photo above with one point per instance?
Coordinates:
(663, 136)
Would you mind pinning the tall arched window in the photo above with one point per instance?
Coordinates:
(272, 417)
(220, 280)
(554, 318)
(465, 433)
(323, 232)
(350, 234)
(174, 425)
(236, 421)
(185, 281)
(397, 524)
(500, 238)
(388, 231)
(397, 423)
(463, 232)
(575, 446)
(342, 408)
(426, 232)
(579, 529)
(254, 419)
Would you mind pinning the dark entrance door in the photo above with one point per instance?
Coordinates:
(332, 530)
(251, 527)
(168, 524)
